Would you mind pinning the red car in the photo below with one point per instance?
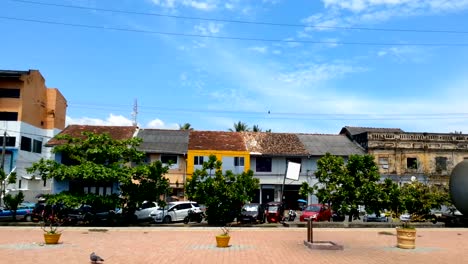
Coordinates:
(318, 212)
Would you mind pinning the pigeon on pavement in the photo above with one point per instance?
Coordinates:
(95, 258)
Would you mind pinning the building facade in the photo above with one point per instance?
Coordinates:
(30, 115)
(429, 157)
(170, 147)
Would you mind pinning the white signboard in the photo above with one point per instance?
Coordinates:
(293, 171)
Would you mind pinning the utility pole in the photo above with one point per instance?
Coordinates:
(135, 113)
(2, 166)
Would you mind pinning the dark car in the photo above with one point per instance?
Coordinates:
(252, 213)
(86, 214)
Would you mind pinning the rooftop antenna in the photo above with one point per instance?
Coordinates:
(135, 112)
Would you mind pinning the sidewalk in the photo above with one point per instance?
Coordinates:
(248, 245)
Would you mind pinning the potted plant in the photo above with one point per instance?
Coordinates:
(222, 240)
(50, 226)
(406, 234)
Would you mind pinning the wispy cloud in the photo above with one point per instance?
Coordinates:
(117, 120)
(200, 5)
(259, 49)
(357, 12)
(208, 29)
(405, 54)
(112, 120)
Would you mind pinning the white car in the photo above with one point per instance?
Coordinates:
(144, 211)
(174, 211)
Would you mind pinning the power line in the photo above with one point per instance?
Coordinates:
(241, 21)
(237, 38)
(295, 115)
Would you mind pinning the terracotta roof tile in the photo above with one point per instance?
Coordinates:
(116, 132)
(216, 140)
(274, 143)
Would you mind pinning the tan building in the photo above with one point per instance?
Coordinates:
(30, 115)
(430, 157)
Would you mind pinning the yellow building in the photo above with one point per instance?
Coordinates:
(228, 147)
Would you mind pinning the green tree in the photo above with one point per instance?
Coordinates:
(185, 126)
(96, 159)
(6, 179)
(223, 194)
(12, 202)
(347, 186)
(239, 127)
(418, 198)
(147, 184)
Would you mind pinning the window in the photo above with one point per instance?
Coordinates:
(19, 184)
(25, 144)
(37, 146)
(263, 164)
(44, 182)
(238, 161)
(9, 93)
(198, 160)
(441, 164)
(10, 141)
(166, 159)
(412, 163)
(9, 116)
(383, 162)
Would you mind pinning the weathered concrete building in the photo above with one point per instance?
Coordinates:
(30, 115)
(430, 157)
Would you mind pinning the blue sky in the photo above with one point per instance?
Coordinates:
(305, 76)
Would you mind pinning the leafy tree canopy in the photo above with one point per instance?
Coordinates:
(97, 158)
(346, 186)
(223, 194)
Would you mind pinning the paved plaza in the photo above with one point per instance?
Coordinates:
(248, 245)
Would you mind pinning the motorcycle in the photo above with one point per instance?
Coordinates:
(195, 215)
(291, 215)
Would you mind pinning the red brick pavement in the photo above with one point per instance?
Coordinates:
(248, 245)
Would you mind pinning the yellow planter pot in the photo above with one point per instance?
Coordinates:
(222, 241)
(406, 238)
(52, 238)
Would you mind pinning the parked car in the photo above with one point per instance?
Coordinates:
(24, 212)
(252, 213)
(86, 214)
(318, 212)
(144, 211)
(382, 217)
(173, 211)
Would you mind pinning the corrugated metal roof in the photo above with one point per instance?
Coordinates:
(275, 144)
(115, 132)
(216, 140)
(338, 145)
(164, 141)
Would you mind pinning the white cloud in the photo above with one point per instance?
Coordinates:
(410, 5)
(262, 49)
(311, 74)
(158, 123)
(347, 13)
(112, 120)
(210, 28)
(200, 5)
(405, 54)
